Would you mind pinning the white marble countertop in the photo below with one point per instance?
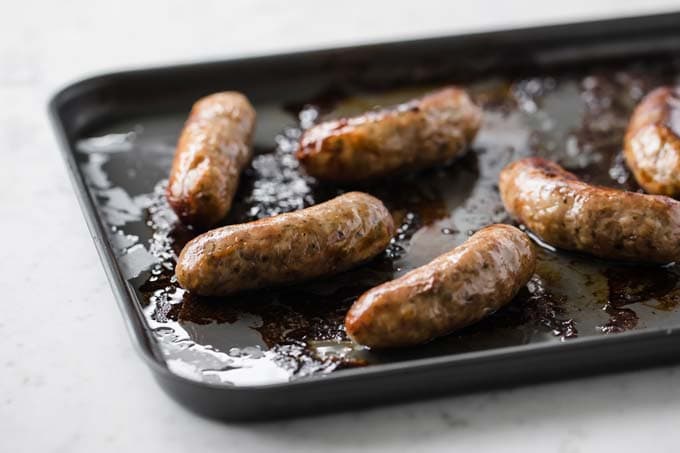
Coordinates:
(70, 380)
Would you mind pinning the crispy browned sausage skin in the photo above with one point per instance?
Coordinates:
(420, 133)
(573, 215)
(213, 149)
(453, 291)
(652, 143)
(324, 239)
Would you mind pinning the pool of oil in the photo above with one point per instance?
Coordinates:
(576, 118)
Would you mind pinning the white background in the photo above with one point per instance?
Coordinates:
(70, 380)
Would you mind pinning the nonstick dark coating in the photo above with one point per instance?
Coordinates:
(121, 134)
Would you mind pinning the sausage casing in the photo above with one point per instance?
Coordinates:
(452, 291)
(652, 142)
(568, 213)
(213, 149)
(323, 239)
(420, 133)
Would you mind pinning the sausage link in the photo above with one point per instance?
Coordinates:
(652, 142)
(420, 133)
(327, 238)
(571, 214)
(213, 149)
(454, 290)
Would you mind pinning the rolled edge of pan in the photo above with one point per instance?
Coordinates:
(452, 291)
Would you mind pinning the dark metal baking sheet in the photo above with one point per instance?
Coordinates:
(563, 92)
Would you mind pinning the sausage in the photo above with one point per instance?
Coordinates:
(568, 213)
(417, 134)
(324, 239)
(213, 149)
(454, 290)
(652, 142)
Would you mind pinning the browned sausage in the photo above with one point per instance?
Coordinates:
(420, 133)
(652, 143)
(455, 290)
(573, 215)
(213, 149)
(324, 239)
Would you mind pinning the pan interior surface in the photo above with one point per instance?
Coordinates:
(576, 116)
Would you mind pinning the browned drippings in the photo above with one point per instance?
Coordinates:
(534, 306)
(620, 320)
(630, 285)
(656, 287)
